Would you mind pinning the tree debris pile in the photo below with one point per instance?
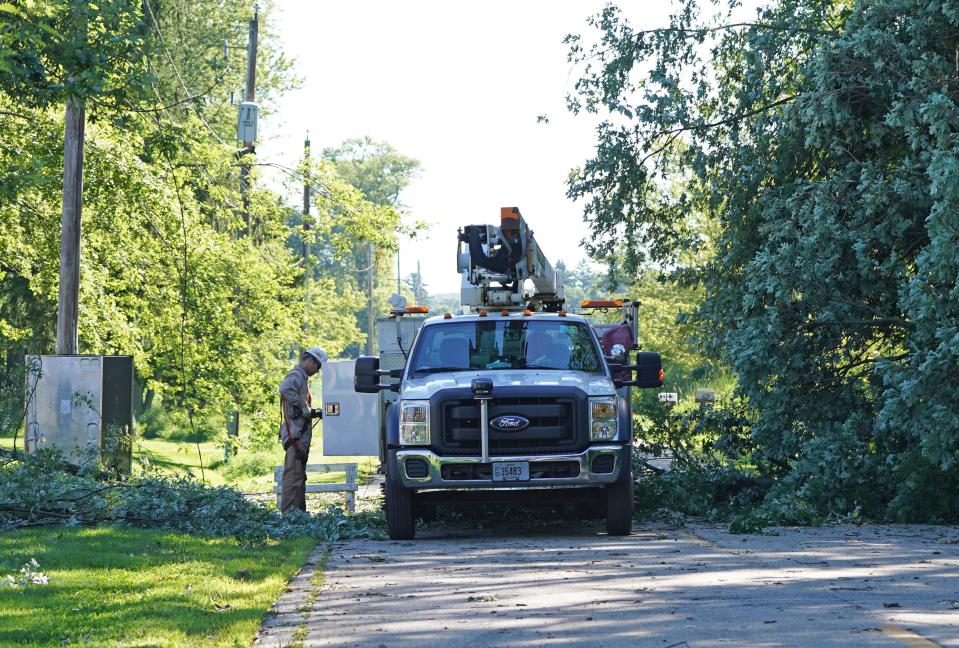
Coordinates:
(35, 490)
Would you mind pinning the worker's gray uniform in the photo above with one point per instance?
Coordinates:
(294, 390)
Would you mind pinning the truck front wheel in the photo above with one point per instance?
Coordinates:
(619, 507)
(400, 524)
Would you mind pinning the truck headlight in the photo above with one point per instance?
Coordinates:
(414, 422)
(603, 422)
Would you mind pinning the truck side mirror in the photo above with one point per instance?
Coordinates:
(649, 369)
(366, 375)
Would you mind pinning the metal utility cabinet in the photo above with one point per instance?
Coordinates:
(83, 405)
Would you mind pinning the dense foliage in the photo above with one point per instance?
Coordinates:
(799, 166)
(211, 316)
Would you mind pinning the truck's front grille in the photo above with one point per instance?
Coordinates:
(554, 423)
(537, 470)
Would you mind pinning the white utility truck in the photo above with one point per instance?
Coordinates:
(518, 398)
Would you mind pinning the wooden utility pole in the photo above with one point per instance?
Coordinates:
(67, 312)
(233, 426)
(307, 246)
(419, 285)
(250, 96)
(369, 303)
(70, 220)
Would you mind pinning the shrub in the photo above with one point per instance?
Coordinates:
(715, 469)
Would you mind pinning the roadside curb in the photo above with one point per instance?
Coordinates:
(286, 623)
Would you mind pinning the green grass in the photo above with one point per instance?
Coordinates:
(120, 586)
(133, 587)
(181, 457)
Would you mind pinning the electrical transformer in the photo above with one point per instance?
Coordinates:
(248, 114)
(83, 405)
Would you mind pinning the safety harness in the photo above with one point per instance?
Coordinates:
(285, 413)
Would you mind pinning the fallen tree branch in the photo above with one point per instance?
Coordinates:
(66, 466)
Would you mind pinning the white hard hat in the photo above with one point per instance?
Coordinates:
(318, 353)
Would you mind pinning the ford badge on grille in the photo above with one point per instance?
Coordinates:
(509, 423)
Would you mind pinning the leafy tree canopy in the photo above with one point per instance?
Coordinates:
(212, 317)
(800, 166)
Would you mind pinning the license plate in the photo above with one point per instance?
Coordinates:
(511, 471)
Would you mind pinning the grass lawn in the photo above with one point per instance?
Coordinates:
(179, 456)
(135, 587)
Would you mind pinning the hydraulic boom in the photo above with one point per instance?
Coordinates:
(496, 262)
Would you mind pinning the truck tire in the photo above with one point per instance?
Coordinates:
(400, 523)
(619, 507)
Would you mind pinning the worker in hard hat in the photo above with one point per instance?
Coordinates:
(296, 429)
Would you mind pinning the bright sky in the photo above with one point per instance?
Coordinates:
(457, 86)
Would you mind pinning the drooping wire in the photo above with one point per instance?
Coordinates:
(184, 295)
(176, 72)
(203, 167)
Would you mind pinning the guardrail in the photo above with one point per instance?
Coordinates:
(349, 487)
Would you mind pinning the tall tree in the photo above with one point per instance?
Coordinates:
(813, 147)
(206, 316)
(380, 173)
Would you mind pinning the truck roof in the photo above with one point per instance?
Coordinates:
(476, 317)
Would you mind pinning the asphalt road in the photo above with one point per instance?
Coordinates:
(696, 586)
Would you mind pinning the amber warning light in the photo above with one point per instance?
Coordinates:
(601, 303)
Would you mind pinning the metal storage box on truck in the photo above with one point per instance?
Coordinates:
(353, 423)
(350, 419)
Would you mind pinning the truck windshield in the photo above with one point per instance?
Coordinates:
(506, 344)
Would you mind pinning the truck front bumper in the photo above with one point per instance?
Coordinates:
(447, 472)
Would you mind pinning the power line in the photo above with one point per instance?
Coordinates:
(216, 82)
(203, 167)
(176, 71)
(298, 175)
(184, 295)
(183, 146)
